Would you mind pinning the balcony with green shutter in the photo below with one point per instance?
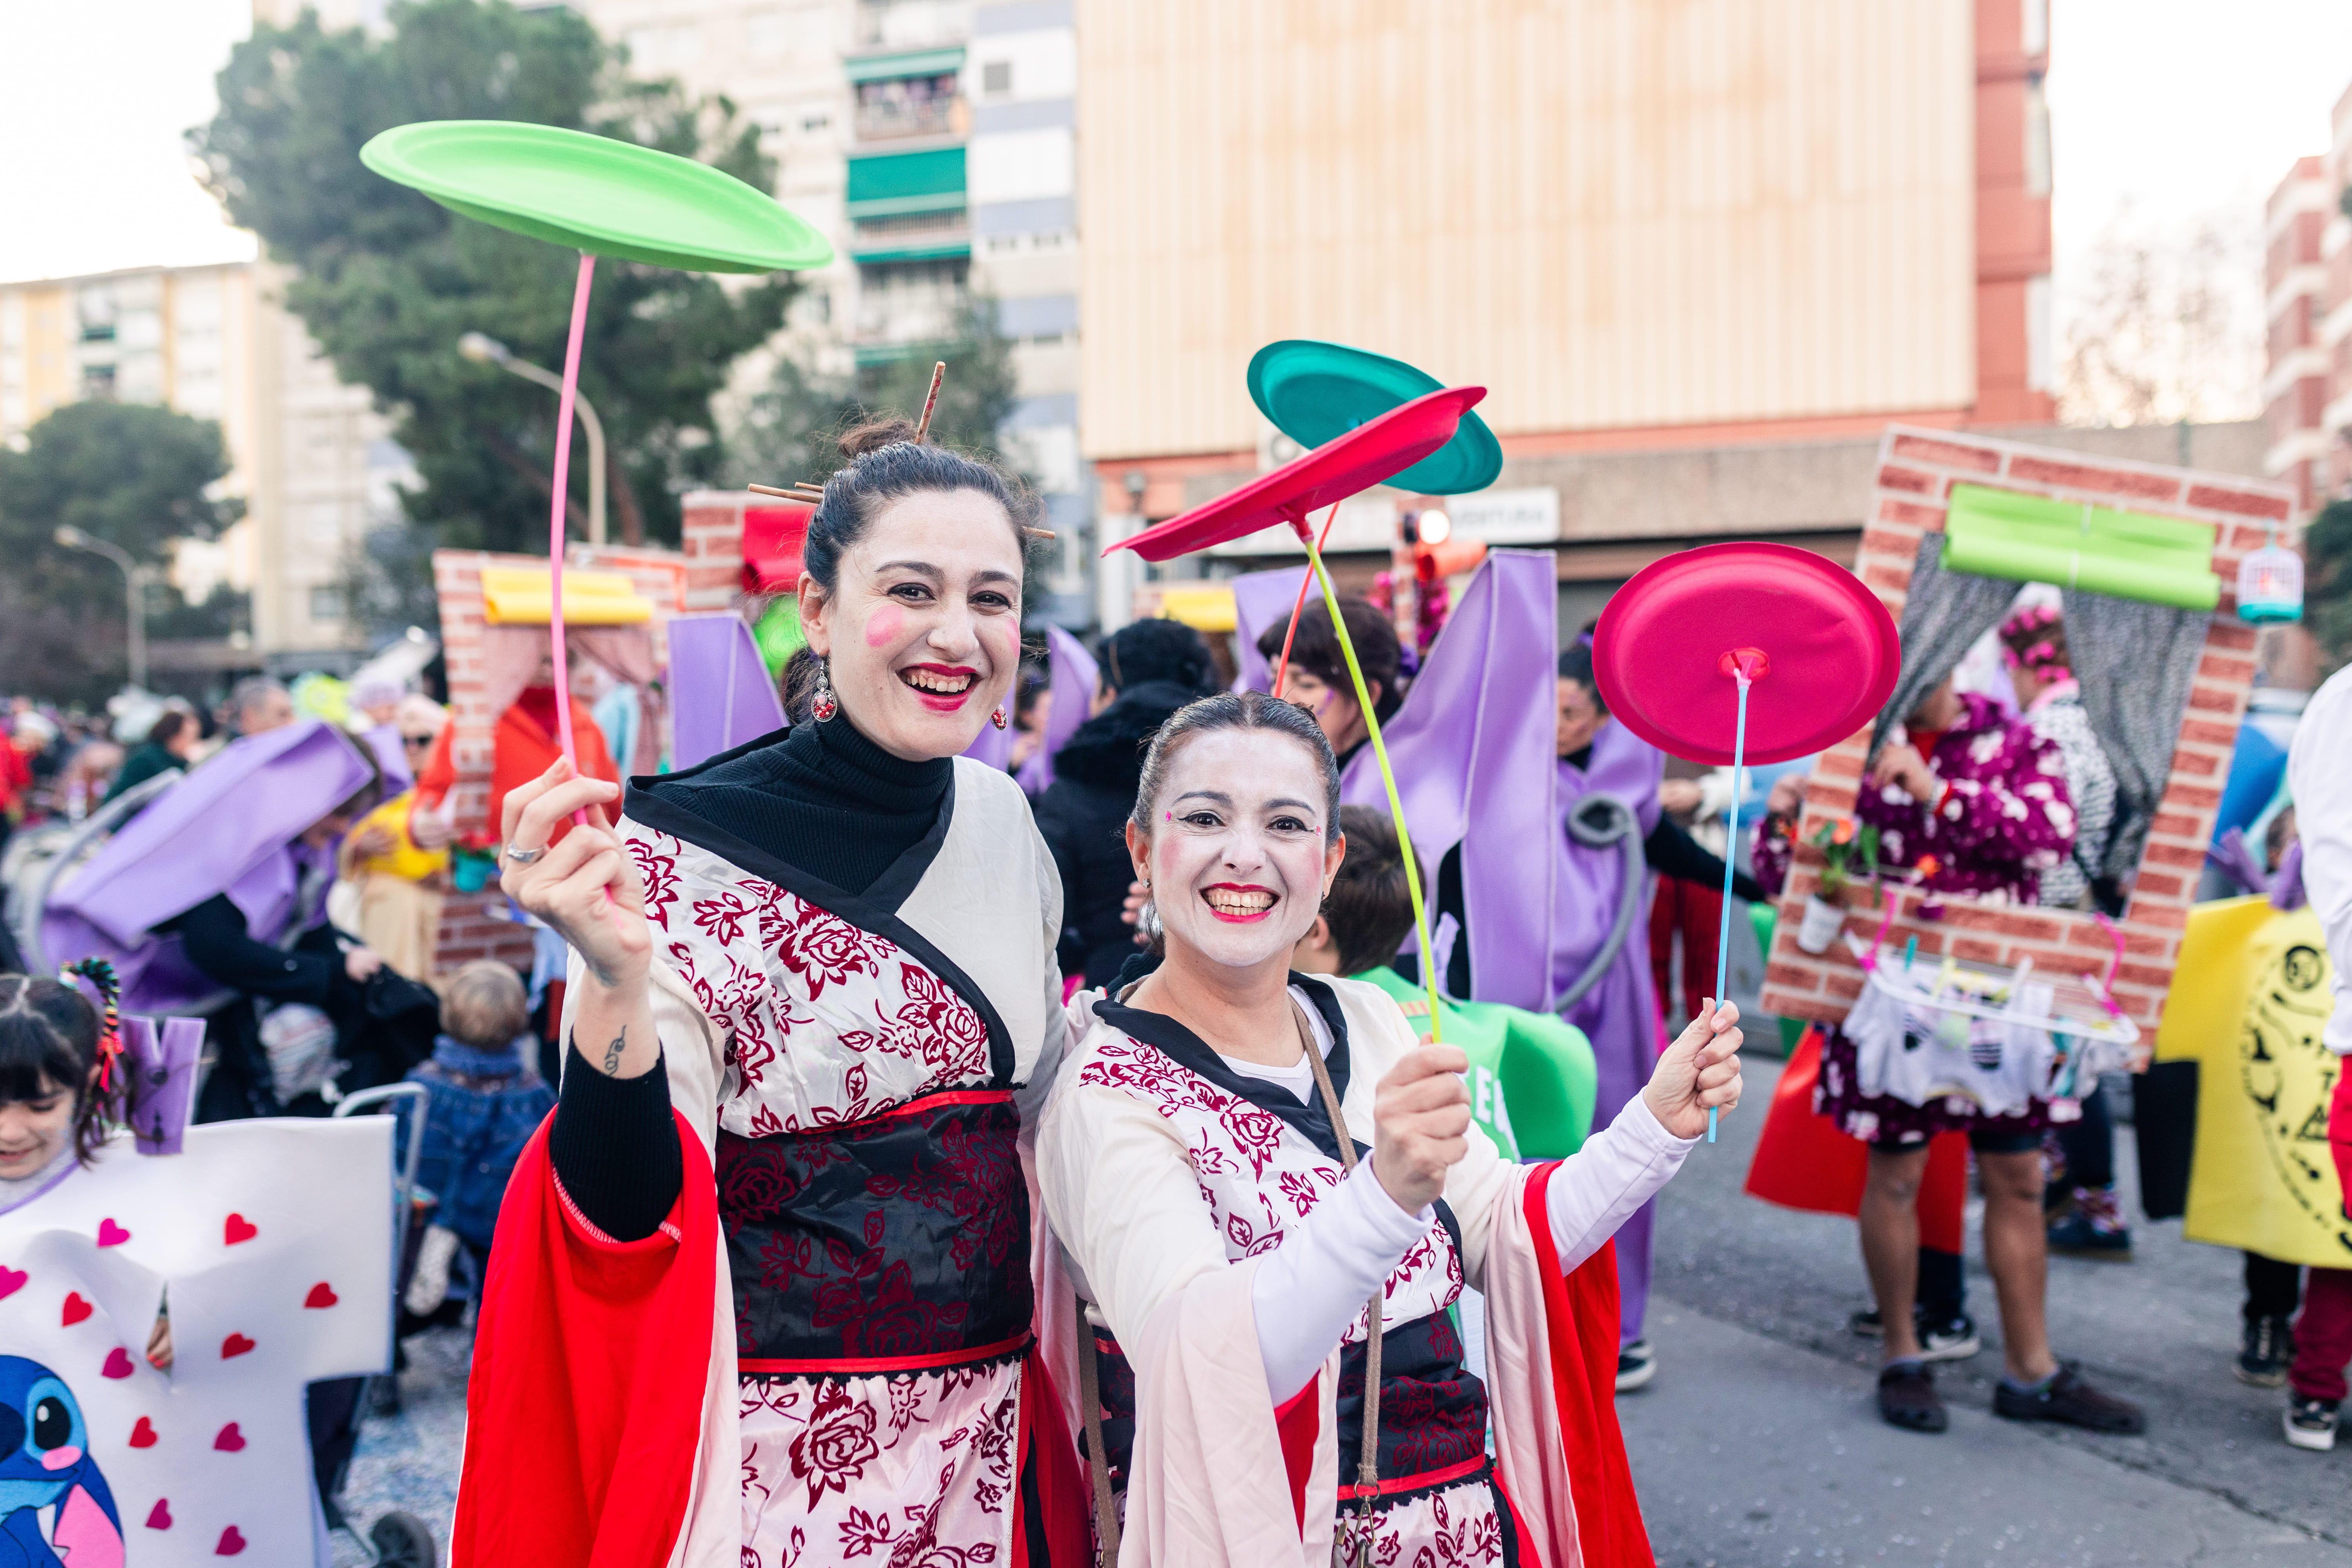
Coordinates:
(908, 207)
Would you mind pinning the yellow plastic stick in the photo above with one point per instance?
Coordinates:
(1388, 782)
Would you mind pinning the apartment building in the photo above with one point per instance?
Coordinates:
(1674, 242)
(309, 456)
(2307, 279)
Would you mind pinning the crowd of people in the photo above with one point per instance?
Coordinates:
(935, 1168)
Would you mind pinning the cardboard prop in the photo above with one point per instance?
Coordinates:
(272, 1241)
(2250, 1000)
(721, 695)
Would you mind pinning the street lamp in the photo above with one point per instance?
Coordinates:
(483, 349)
(135, 578)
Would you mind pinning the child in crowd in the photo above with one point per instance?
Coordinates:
(61, 1087)
(486, 1099)
(1544, 1066)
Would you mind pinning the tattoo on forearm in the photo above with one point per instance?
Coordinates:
(613, 1052)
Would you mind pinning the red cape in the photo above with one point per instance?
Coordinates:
(584, 1411)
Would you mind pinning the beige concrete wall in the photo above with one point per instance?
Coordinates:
(1612, 213)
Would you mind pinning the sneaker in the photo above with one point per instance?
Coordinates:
(1907, 1399)
(2076, 1236)
(1954, 1341)
(1636, 1365)
(2263, 1355)
(2067, 1398)
(2311, 1423)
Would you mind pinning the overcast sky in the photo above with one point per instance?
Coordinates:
(2182, 107)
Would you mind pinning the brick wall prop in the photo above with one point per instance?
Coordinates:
(469, 930)
(1916, 470)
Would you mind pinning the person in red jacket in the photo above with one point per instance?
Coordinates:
(524, 746)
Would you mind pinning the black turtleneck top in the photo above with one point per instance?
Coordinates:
(823, 798)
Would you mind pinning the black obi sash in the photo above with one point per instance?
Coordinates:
(896, 1243)
(1432, 1409)
(887, 1245)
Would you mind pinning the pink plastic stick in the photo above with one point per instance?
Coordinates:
(2107, 985)
(555, 515)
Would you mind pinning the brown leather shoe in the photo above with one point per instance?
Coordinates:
(2068, 1398)
(1907, 1399)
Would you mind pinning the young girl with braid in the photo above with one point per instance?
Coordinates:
(62, 1088)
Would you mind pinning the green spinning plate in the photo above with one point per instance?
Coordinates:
(1314, 392)
(600, 196)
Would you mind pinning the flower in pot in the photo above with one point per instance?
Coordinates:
(1931, 908)
(1847, 853)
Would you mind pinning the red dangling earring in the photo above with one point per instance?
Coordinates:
(997, 718)
(822, 707)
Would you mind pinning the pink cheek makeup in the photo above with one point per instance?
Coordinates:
(882, 628)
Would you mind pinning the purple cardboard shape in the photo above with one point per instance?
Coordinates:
(163, 1080)
(720, 694)
(1074, 676)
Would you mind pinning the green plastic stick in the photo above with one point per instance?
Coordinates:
(1388, 782)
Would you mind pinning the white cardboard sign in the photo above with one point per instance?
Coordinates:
(274, 1241)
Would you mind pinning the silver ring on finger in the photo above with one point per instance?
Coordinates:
(523, 856)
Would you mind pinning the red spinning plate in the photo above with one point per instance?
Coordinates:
(1658, 653)
(1332, 472)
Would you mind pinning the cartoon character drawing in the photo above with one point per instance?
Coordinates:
(45, 1464)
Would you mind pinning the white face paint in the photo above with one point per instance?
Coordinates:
(1238, 859)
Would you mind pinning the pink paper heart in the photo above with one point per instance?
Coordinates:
(237, 1228)
(160, 1516)
(231, 1544)
(111, 1233)
(11, 1280)
(118, 1364)
(230, 1440)
(76, 1309)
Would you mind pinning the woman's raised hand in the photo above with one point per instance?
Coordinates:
(585, 887)
(1420, 1122)
(1698, 1070)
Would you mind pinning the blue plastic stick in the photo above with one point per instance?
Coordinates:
(1730, 853)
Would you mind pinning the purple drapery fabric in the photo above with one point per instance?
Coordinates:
(1473, 743)
(720, 693)
(228, 827)
(1261, 599)
(1619, 1014)
(1074, 677)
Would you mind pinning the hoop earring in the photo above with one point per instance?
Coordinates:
(997, 718)
(822, 706)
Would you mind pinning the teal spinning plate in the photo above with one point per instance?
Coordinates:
(595, 194)
(1314, 392)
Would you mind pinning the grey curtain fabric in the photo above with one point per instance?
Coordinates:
(1947, 612)
(2135, 662)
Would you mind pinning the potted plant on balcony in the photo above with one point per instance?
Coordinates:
(1840, 844)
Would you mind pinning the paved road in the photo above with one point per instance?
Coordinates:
(1758, 1443)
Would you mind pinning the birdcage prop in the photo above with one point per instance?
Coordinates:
(2269, 584)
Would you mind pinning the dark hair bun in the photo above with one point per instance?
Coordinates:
(874, 435)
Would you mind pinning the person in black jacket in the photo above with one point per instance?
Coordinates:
(1149, 669)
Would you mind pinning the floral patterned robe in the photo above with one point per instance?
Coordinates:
(2003, 817)
(854, 1070)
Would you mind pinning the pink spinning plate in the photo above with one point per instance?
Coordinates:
(1332, 472)
(1820, 650)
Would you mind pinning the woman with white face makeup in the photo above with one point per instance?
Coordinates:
(768, 1263)
(1226, 1235)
